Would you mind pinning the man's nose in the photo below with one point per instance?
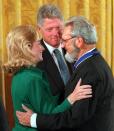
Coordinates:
(56, 31)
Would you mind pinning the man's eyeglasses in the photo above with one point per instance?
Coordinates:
(63, 40)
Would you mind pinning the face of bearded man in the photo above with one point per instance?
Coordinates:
(72, 56)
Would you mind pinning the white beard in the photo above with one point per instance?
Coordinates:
(73, 56)
(70, 57)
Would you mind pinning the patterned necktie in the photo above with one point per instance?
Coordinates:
(62, 66)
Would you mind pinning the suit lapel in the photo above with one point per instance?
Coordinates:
(52, 70)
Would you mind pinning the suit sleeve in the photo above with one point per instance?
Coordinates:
(80, 112)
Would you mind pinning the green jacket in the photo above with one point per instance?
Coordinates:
(31, 87)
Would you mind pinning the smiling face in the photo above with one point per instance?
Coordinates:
(23, 47)
(51, 30)
(37, 50)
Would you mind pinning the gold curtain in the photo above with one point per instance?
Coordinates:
(100, 12)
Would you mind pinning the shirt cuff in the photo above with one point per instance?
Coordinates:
(33, 120)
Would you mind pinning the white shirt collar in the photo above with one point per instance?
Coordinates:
(87, 52)
(51, 48)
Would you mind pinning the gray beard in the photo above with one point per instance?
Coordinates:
(70, 57)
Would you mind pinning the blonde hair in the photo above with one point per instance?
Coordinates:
(19, 43)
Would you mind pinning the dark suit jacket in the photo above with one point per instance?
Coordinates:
(48, 65)
(3, 118)
(93, 114)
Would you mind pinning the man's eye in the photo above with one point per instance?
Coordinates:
(48, 29)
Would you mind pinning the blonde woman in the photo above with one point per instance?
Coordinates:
(29, 84)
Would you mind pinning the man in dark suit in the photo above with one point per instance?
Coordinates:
(93, 114)
(3, 118)
(49, 24)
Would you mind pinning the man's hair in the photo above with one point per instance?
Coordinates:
(48, 11)
(81, 27)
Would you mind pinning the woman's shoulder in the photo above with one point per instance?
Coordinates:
(29, 72)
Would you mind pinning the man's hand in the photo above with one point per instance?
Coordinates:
(24, 117)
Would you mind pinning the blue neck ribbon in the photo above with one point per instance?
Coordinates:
(85, 56)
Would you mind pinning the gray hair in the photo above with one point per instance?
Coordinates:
(83, 28)
(48, 11)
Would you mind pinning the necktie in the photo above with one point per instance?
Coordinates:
(62, 66)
